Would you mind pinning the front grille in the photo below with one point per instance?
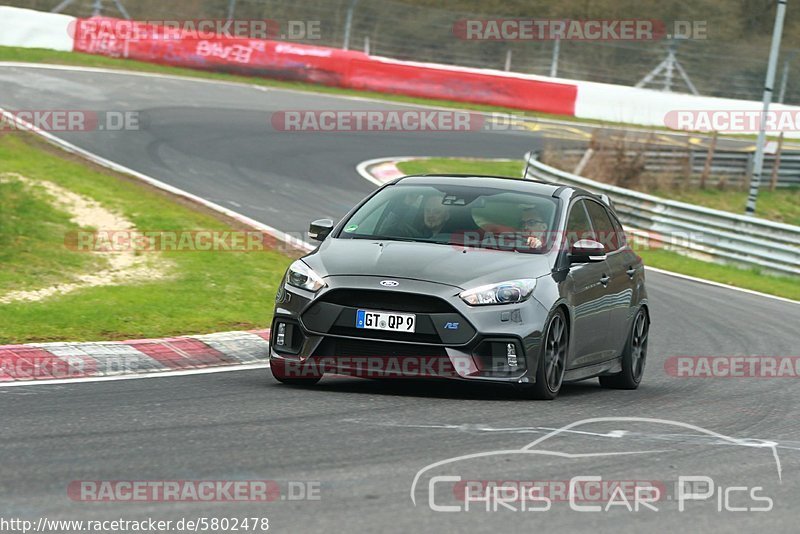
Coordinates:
(374, 359)
(356, 348)
(417, 337)
(334, 313)
(387, 300)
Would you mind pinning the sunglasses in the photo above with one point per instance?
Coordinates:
(533, 222)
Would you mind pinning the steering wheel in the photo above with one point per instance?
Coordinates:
(406, 229)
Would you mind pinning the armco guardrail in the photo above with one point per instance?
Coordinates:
(702, 232)
(733, 166)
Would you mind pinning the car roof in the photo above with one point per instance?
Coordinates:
(500, 182)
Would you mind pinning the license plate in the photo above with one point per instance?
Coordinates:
(394, 322)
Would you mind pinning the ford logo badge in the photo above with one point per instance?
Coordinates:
(390, 283)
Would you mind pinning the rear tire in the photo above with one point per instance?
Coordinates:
(552, 359)
(634, 356)
(300, 376)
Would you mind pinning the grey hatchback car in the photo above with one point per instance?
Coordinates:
(467, 277)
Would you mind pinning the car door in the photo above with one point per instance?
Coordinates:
(590, 321)
(619, 294)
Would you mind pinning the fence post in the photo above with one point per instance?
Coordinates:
(348, 25)
(709, 161)
(554, 61)
(776, 165)
(689, 165)
(749, 170)
(508, 60)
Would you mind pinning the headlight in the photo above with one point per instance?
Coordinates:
(503, 293)
(300, 275)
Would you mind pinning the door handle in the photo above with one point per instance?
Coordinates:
(631, 272)
(605, 279)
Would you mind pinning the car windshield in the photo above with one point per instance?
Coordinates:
(456, 215)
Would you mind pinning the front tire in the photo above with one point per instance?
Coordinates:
(634, 356)
(295, 375)
(552, 360)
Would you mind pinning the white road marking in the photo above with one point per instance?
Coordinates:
(91, 156)
(720, 284)
(165, 374)
(531, 448)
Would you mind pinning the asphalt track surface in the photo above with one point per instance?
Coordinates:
(363, 441)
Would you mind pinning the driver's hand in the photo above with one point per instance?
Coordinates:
(534, 242)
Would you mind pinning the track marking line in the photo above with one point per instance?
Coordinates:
(720, 284)
(165, 374)
(99, 160)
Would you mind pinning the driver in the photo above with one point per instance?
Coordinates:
(533, 226)
(435, 215)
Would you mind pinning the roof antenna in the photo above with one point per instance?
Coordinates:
(528, 156)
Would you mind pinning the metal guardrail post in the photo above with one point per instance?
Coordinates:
(776, 164)
(729, 166)
(554, 61)
(709, 161)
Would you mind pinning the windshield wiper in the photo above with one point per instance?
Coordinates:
(391, 238)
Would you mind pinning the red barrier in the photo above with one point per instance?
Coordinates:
(323, 65)
(259, 57)
(462, 85)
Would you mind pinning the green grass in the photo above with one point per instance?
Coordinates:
(512, 168)
(204, 292)
(782, 286)
(782, 205)
(769, 203)
(32, 252)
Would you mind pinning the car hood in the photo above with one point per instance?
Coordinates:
(452, 265)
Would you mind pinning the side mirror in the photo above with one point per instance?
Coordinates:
(320, 229)
(587, 251)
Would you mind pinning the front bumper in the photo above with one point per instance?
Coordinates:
(452, 340)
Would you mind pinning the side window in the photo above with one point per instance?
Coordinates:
(603, 227)
(578, 226)
(623, 240)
